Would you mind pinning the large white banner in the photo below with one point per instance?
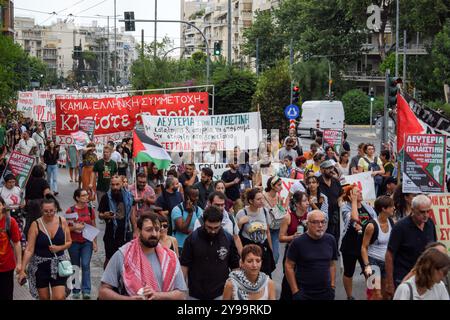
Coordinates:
(37, 105)
(365, 183)
(197, 133)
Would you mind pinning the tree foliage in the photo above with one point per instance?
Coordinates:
(357, 107)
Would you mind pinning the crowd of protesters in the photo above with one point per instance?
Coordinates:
(181, 234)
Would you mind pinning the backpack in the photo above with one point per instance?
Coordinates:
(375, 167)
(375, 229)
(72, 209)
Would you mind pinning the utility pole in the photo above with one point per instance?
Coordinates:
(156, 19)
(115, 47)
(107, 59)
(384, 133)
(291, 62)
(396, 36)
(257, 57)
(142, 43)
(229, 32)
(329, 79)
(404, 60)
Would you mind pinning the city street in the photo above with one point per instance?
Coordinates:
(356, 135)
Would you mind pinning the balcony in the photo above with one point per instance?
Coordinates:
(373, 75)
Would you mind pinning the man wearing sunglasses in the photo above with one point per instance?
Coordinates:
(408, 240)
(209, 254)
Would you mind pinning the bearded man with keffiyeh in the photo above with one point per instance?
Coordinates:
(143, 269)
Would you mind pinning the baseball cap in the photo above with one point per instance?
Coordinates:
(326, 164)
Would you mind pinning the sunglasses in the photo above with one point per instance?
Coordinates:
(164, 226)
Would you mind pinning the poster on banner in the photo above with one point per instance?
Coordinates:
(184, 134)
(440, 204)
(365, 183)
(80, 139)
(286, 184)
(88, 126)
(116, 116)
(43, 106)
(48, 129)
(423, 166)
(20, 166)
(333, 138)
(25, 103)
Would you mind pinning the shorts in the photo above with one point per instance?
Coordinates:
(380, 264)
(350, 264)
(44, 278)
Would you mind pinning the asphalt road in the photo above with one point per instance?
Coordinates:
(356, 135)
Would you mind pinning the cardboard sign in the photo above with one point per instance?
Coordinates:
(20, 166)
(424, 163)
(333, 138)
(365, 183)
(88, 126)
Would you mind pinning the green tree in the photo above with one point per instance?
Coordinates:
(272, 96)
(234, 90)
(357, 107)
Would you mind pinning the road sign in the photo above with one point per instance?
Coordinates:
(291, 112)
(292, 124)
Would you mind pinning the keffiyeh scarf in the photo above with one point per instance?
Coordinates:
(243, 287)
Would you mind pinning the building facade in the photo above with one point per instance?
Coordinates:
(7, 18)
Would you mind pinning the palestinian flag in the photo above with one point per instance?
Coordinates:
(146, 149)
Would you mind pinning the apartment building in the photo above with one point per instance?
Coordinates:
(7, 18)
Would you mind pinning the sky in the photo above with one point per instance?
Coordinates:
(85, 12)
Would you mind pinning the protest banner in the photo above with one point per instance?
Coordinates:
(37, 105)
(115, 117)
(48, 129)
(25, 103)
(217, 168)
(20, 166)
(187, 134)
(423, 165)
(88, 126)
(80, 139)
(333, 138)
(365, 183)
(441, 217)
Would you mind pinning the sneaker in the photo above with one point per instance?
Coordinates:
(351, 298)
(76, 296)
(86, 296)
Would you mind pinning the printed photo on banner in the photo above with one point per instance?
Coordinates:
(334, 139)
(118, 115)
(183, 134)
(20, 166)
(80, 139)
(88, 126)
(441, 217)
(424, 163)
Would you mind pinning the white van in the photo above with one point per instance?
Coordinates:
(319, 115)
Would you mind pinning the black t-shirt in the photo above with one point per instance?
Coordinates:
(333, 192)
(35, 188)
(120, 214)
(313, 259)
(209, 262)
(203, 194)
(407, 242)
(167, 201)
(184, 177)
(233, 192)
(352, 240)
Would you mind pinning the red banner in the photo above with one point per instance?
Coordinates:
(118, 115)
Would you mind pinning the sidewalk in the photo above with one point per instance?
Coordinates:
(21, 292)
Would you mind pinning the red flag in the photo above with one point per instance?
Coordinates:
(407, 122)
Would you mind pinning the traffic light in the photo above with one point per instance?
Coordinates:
(217, 48)
(129, 21)
(371, 95)
(295, 94)
(393, 90)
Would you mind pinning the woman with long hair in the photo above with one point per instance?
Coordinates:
(81, 249)
(155, 177)
(343, 164)
(254, 228)
(89, 159)
(318, 159)
(317, 200)
(293, 225)
(426, 284)
(166, 240)
(402, 202)
(48, 238)
(249, 283)
(51, 155)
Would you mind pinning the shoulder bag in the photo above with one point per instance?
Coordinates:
(65, 268)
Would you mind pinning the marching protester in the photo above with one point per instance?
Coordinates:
(228, 222)
(249, 283)
(13, 136)
(189, 176)
(255, 229)
(355, 214)
(402, 202)
(298, 146)
(316, 199)
(27, 146)
(407, 241)
(287, 168)
(205, 186)
(72, 162)
(273, 203)
(78, 216)
(293, 225)
(102, 172)
(11, 254)
(370, 162)
(115, 209)
(155, 177)
(39, 137)
(219, 186)
(390, 185)
(426, 283)
(89, 158)
(353, 169)
(288, 150)
(330, 154)
(169, 198)
(51, 155)
(343, 164)
(299, 170)
(48, 238)
(317, 160)
(143, 269)
(209, 254)
(165, 239)
(184, 216)
(375, 241)
(311, 261)
(123, 164)
(144, 197)
(232, 179)
(313, 149)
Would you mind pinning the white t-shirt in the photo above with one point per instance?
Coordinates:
(212, 158)
(12, 197)
(227, 224)
(40, 140)
(116, 156)
(256, 228)
(437, 292)
(25, 146)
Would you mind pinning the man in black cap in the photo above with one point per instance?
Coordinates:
(390, 185)
(331, 187)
